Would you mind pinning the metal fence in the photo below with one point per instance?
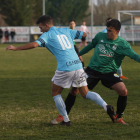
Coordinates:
(32, 33)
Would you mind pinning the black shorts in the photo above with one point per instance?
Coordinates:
(83, 38)
(107, 79)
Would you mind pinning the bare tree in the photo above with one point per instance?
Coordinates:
(110, 8)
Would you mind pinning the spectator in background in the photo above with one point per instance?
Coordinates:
(6, 34)
(1, 35)
(84, 29)
(12, 34)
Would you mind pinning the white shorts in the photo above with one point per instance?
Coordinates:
(75, 78)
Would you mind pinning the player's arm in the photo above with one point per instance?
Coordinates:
(90, 46)
(130, 53)
(79, 35)
(24, 47)
(77, 51)
(80, 57)
(86, 49)
(76, 34)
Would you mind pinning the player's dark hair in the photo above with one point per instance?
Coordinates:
(109, 18)
(114, 23)
(71, 20)
(44, 19)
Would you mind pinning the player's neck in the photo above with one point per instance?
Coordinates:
(115, 37)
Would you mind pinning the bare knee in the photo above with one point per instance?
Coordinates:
(123, 92)
(120, 88)
(56, 90)
(55, 93)
(83, 91)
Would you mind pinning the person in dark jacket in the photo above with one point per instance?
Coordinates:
(12, 34)
(1, 35)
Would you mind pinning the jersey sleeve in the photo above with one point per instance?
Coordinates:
(128, 51)
(41, 41)
(86, 49)
(76, 34)
(90, 46)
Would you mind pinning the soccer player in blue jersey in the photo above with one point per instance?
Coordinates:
(59, 41)
(120, 69)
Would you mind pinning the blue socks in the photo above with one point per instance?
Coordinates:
(96, 98)
(90, 95)
(61, 107)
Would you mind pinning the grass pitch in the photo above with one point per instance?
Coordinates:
(27, 107)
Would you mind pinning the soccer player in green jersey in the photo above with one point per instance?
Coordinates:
(109, 51)
(120, 69)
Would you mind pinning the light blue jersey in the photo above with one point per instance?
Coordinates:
(59, 41)
(105, 30)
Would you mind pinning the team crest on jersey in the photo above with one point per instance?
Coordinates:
(105, 52)
(114, 47)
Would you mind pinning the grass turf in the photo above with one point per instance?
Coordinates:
(27, 107)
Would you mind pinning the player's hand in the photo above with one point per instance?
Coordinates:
(11, 48)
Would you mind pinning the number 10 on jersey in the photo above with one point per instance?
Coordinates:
(64, 42)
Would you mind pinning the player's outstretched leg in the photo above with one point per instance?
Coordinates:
(111, 112)
(98, 100)
(92, 96)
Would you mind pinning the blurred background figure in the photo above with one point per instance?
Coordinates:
(1, 35)
(72, 25)
(6, 34)
(84, 29)
(12, 34)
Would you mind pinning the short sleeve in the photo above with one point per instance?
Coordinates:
(76, 34)
(41, 41)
